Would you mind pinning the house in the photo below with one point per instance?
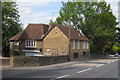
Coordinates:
(47, 40)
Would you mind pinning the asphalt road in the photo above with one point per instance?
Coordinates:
(104, 68)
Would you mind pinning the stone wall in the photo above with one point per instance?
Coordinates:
(19, 61)
(56, 40)
(79, 51)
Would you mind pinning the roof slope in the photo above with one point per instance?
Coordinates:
(36, 31)
(74, 34)
(33, 31)
(17, 36)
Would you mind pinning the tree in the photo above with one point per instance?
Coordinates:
(95, 19)
(115, 48)
(118, 35)
(10, 24)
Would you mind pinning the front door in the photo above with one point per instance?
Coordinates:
(75, 55)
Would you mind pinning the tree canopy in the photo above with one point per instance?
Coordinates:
(10, 24)
(95, 19)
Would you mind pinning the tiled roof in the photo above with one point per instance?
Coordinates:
(17, 36)
(74, 34)
(36, 31)
(33, 31)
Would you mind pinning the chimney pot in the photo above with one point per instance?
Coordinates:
(50, 24)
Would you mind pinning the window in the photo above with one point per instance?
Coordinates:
(87, 45)
(84, 53)
(78, 44)
(84, 44)
(40, 50)
(73, 44)
(30, 43)
(16, 43)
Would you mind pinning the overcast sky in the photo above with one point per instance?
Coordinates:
(41, 11)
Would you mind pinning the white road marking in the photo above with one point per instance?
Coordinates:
(100, 65)
(109, 62)
(63, 76)
(84, 70)
(112, 61)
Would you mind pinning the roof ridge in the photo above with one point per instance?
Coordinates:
(38, 24)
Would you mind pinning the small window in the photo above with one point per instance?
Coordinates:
(87, 45)
(78, 44)
(73, 44)
(84, 44)
(30, 43)
(84, 53)
(16, 43)
(40, 50)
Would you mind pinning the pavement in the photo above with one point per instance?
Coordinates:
(97, 68)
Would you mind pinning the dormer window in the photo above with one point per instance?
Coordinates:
(30, 43)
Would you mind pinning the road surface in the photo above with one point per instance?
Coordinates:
(100, 68)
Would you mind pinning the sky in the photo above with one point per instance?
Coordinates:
(42, 11)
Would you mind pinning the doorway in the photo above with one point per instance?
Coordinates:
(75, 55)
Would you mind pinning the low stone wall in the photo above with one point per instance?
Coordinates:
(18, 61)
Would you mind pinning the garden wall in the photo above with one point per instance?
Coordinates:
(18, 61)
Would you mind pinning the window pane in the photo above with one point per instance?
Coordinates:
(78, 44)
(73, 44)
(31, 43)
(27, 43)
(87, 45)
(84, 44)
(34, 43)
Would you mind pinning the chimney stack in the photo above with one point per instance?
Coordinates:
(50, 24)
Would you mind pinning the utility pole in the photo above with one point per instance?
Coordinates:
(69, 32)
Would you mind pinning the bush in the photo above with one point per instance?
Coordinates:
(15, 53)
(115, 48)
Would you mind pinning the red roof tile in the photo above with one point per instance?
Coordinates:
(74, 34)
(36, 31)
(33, 31)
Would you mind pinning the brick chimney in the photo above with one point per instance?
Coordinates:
(50, 24)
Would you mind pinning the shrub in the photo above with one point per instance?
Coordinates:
(16, 52)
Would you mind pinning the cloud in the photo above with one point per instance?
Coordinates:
(28, 15)
(37, 20)
(114, 7)
(42, 17)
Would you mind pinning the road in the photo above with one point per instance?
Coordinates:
(101, 68)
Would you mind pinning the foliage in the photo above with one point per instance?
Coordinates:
(118, 36)
(15, 52)
(10, 24)
(115, 48)
(95, 19)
